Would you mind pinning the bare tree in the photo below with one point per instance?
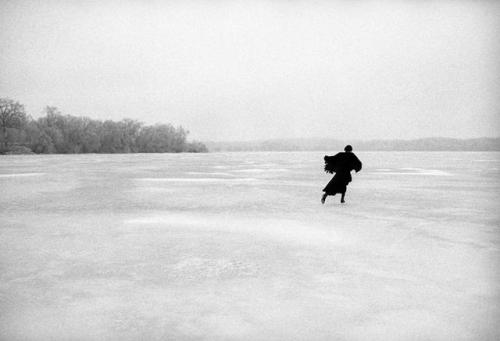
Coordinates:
(12, 115)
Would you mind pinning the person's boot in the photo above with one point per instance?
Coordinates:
(342, 199)
(323, 198)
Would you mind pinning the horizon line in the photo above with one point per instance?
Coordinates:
(349, 139)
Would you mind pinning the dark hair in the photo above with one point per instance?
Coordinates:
(348, 148)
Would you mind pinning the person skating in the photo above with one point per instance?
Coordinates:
(341, 164)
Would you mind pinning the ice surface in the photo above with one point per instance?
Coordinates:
(237, 246)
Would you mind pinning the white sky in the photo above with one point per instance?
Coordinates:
(242, 70)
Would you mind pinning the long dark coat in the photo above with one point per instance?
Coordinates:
(341, 164)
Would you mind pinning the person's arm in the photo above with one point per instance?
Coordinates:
(357, 164)
(331, 163)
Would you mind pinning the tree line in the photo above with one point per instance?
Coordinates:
(66, 134)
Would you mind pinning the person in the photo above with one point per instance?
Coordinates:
(341, 164)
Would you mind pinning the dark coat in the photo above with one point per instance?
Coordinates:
(341, 164)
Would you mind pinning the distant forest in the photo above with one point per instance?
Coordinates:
(424, 144)
(66, 134)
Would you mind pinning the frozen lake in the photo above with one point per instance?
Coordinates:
(237, 246)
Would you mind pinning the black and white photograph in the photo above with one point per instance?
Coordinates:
(247, 170)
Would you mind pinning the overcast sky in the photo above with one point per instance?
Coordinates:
(242, 70)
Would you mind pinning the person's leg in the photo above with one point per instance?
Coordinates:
(323, 198)
(342, 198)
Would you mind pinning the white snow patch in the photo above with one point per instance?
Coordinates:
(435, 172)
(252, 170)
(282, 230)
(211, 173)
(260, 170)
(15, 175)
(195, 179)
(417, 171)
